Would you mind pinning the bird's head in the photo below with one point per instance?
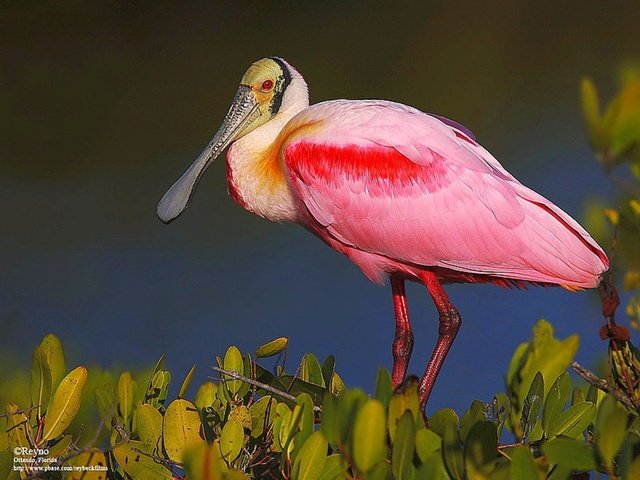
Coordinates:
(262, 94)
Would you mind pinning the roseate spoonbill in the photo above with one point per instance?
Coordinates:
(402, 193)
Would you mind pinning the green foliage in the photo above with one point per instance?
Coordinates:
(238, 428)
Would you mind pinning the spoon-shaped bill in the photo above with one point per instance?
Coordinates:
(244, 109)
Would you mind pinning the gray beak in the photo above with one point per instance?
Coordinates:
(244, 109)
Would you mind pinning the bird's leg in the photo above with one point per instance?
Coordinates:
(403, 341)
(449, 323)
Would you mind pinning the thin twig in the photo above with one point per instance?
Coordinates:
(601, 384)
(236, 376)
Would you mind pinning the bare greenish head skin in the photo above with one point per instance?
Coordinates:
(267, 78)
(257, 101)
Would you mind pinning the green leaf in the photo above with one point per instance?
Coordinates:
(369, 432)
(290, 428)
(149, 424)
(573, 421)
(384, 387)
(556, 399)
(126, 389)
(610, 430)
(233, 362)
(280, 424)
(532, 405)
(480, 449)
(475, 414)
(348, 407)
(571, 453)
(274, 347)
(310, 462)
(259, 410)
(427, 443)
(306, 419)
(180, 428)
(330, 424)
(334, 468)
(577, 396)
(311, 371)
(545, 354)
(441, 419)
(132, 459)
(65, 403)
(452, 452)
(382, 471)
(231, 440)
(328, 369)
(523, 465)
(403, 447)
(501, 409)
(186, 382)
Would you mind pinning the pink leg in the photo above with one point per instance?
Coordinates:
(449, 323)
(403, 341)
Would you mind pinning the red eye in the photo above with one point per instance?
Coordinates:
(267, 85)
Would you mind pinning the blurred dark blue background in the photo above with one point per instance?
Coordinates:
(104, 106)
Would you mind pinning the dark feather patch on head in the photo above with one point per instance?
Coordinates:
(282, 82)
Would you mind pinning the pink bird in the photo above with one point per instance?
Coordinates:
(404, 194)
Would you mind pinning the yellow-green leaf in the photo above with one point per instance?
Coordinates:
(126, 389)
(233, 362)
(427, 443)
(258, 415)
(52, 349)
(94, 460)
(134, 458)
(206, 395)
(480, 452)
(452, 452)
(231, 440)
(610, 430)
(17, 427)
(571, 453)
(573, 421)
(311, 460)
(311, 371)
(523, 465)
(186, 382)
(334, 468)
(403, 447)
(61, 447)
(242, 415)
(40, 381)
(274, 347)
(369, 432)
(405, 398)
(180, 428)
(149, 424)
(65, 403)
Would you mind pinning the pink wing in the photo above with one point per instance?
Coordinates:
(395, 188)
